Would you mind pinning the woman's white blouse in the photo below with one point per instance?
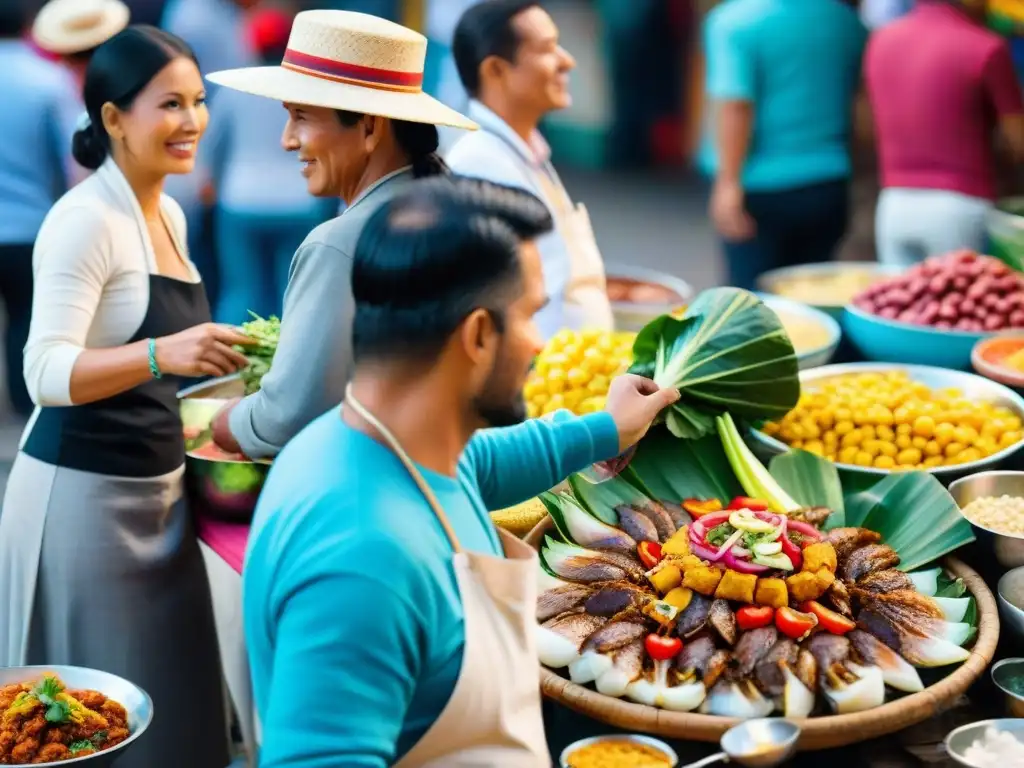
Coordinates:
(92, 262)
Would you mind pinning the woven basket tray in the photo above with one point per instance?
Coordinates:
(816, 732)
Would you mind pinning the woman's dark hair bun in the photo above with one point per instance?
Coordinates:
(88, 148)
(420, 141)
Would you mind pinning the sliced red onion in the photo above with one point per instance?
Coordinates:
(743, 566)
(805, 529)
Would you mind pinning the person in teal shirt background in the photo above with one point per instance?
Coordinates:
(781, 78)
(353, 618)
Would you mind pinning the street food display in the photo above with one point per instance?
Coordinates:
(574, 369)
(696, 579)
(889, 421)
(43, 722)
(730, 608)
(961, 291)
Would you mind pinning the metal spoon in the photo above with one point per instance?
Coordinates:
(760, 743)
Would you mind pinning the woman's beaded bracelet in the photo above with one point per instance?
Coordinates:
(154, 368)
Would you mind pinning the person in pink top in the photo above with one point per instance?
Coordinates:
(943, 90)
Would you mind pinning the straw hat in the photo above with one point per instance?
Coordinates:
(72, 26)
(349, 61)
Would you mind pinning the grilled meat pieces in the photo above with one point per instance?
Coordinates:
(862, 561)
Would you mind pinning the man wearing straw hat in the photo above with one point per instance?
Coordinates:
(362, 129)
(73, 29)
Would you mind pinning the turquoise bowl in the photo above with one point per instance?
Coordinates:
(890, 341)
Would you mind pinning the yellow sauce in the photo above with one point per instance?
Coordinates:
(805, 333)
(618, 753)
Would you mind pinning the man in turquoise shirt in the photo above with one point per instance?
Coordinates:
(781, 78)
(353, 618)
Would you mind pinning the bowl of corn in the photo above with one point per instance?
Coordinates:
(574, 369)
(878, 418)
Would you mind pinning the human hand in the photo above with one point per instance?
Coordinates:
(220, 427)
(203, 350)
(728, 213)
(634, 402)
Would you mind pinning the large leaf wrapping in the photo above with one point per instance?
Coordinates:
(675, 470)
(811, 481)
(729, 352)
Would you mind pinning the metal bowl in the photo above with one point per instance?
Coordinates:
(218, 488)
(1002, 672)
(1010, 594)
(818, 356)
(670, 753)
(1008, 547)
(633, 317)
(774, 281)
(973, 387)
(961, 738)
(135, 700)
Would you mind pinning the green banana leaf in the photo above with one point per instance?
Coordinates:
(915, 515)
(912, 510)
(811, 481)
(674, 470)
(729, 352)
(601, 498)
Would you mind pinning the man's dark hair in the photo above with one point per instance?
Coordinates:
(15, 16)
(485, 29)
(427, 258)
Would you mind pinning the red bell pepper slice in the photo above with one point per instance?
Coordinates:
(794, 624)
(792, 551)
(745, 502)
(754, 616)
(662, 648)
(700, 507)
(828, 619)
(650, 553)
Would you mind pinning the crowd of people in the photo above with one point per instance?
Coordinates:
(419, 308)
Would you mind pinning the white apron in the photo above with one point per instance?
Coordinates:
(586, 302)
(493, 718)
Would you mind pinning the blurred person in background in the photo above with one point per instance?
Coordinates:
(363, 129)
(441, 76)
(99, 563)
(942, 89)
(511, 64)
(215, 30)
(264, 211)
(43, 105)
(781, 80)
(73, 29)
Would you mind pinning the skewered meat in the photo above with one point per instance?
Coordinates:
(658, 515)
(695, 655)
(694, 617)
(828, 650)
(610, 599)
(862, 561)
(614, 635)
(807, 669)
(554, 602)
(886, 580)
(718, 664)
(845, 540)
(723, 621)
(839, 596)
(813, 515)
(638, 525)
(770, 670)
(751, 648)
(680, 517)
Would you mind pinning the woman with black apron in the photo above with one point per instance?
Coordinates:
(99, 564)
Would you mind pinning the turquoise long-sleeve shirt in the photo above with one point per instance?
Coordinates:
(352, 614)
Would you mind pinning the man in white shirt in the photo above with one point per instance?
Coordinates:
(511, 64)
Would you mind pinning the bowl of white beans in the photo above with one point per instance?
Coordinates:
(993, 502)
